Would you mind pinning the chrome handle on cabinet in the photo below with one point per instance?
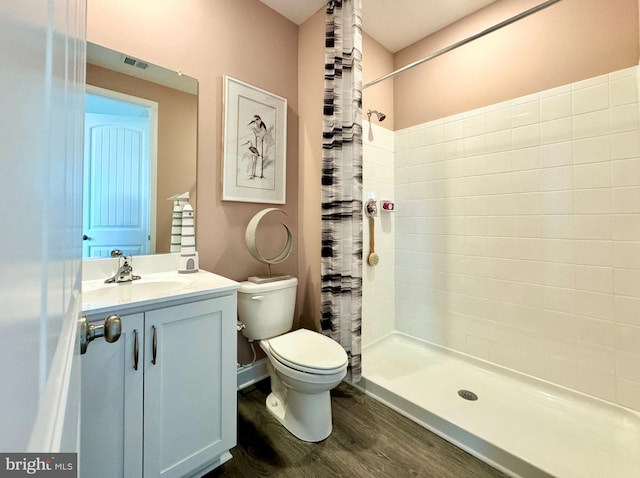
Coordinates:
(110, 330)
(154, 350)
(136, 349)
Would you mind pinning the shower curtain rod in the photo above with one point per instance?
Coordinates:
(492, 29)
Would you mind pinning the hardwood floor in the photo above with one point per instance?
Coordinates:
(368, 440)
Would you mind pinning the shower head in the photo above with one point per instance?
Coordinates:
(381, 116)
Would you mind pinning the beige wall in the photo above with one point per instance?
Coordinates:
(207, 40)
(569, 41)
(177, 133)
(377, 61)
(311, 84)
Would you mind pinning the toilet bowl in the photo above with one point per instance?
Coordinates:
(303, 365)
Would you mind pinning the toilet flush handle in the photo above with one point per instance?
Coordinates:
(257, 297)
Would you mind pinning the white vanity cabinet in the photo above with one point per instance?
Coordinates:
(173, 412)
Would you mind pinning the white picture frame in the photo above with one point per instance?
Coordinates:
(254, 144)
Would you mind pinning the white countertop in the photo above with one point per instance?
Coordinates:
(159, 283)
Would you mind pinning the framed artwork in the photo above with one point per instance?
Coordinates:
(254, 144)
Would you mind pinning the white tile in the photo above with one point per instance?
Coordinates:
(526, 158)
(627, 310)
(593, 226)
(594, 304)
(598, 358)
(558, 227)
(528, 226)
(498, 119)
(454, 149)
(558, 274)
(559, 250)
(591, 124)
(626, 200)
(626, 227)
(595, 279)
(627, 282)
(558, 178)
(623, 91)
(557, 202)
(559, 154)
(434, 134)
(591, 150)
(453, 130)
(474, 145)
(474, 125)
(594, 253)
(590, 99)
(625, 145)
(559, 299)
(525, 136)
(625, 172)
(500, 226)
(417, 139)
(596, 332)
(475, 165)
(592, 175)
(498, 141)
(554, 107)
(625, 118)
(525, 113)
(592, 201)
(498, 162)
(556, 131)
(628, 340)
(626, 254)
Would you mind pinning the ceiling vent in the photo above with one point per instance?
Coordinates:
(129, 60)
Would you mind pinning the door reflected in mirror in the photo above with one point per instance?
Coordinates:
(140, 149)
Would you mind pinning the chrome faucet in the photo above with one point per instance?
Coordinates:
(125, 269)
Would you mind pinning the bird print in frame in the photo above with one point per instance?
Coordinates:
(254, 161)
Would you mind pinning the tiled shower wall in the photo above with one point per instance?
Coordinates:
(517, 235)
(378, 282)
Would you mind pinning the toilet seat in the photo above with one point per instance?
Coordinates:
(308, 352)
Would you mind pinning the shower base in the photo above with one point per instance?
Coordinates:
(521, 425)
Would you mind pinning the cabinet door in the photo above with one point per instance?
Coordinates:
(111, 409)
(190, 390)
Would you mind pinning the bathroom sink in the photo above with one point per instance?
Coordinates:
(126, 292)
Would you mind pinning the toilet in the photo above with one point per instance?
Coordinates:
(303, 365)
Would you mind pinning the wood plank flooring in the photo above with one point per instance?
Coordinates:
(368, 440)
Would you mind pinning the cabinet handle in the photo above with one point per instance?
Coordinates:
(136, 349)
(155, 345)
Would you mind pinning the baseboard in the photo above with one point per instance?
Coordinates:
(250, 374)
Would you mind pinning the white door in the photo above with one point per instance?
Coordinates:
(117, 185)
(42, 97)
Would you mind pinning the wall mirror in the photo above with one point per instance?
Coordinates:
(141, 123)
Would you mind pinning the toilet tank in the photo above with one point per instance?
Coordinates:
(267, 309)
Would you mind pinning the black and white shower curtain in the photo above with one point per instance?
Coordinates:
(342, 181)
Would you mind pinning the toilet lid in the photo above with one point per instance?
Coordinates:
(308, 351)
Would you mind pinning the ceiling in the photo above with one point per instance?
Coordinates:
(393, 23)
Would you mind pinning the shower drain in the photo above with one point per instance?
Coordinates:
(467, 395)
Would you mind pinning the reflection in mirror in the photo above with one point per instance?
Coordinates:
(140, 149)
